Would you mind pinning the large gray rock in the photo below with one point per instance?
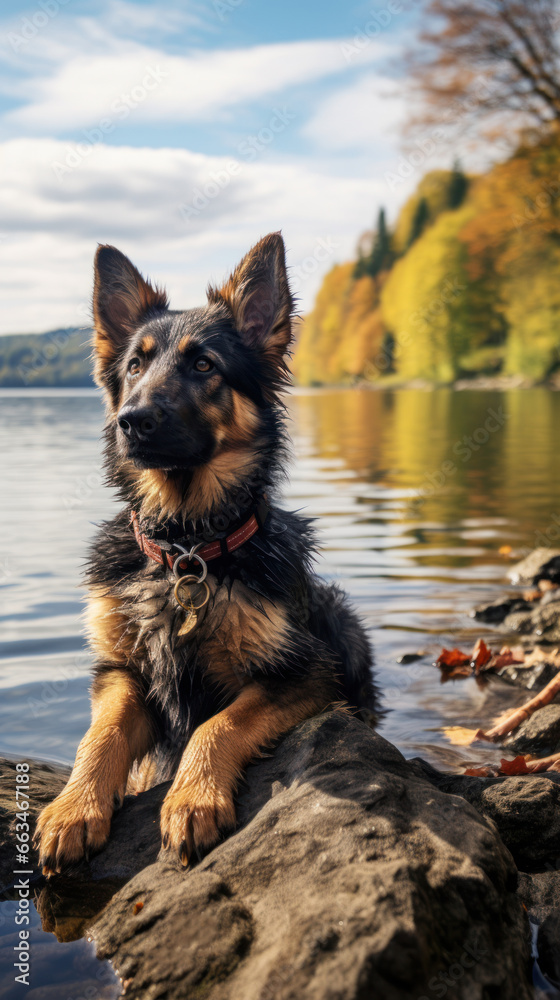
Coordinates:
(525, 809)
(349, 877)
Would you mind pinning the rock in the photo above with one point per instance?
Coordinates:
(496, 612)
(542, 622)
(525, 809)
(407, 658)
(550, 597)
(45, 782)
(538, 620)
(349, 877)
(533, 678)
(539, 734)
(540, 564)
(540, 893)
(547, 946)
(134, 844)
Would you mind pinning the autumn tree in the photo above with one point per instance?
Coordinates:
(482, 61)
(458, 186)
(419, 221)
(380, 258)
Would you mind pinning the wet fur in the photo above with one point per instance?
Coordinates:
(275, 644)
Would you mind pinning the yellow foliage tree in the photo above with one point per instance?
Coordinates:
(343, 333)
(478, 287)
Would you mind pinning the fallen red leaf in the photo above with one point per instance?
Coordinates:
(477, 772)
(505, 658)
(452, 658)
(480, 655)
(516, 766)
(532, 595)
(456, 673)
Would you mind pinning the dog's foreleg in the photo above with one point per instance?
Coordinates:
(78, 820)
(200, 804)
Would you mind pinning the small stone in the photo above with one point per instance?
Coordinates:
(540, 564)
(407, 658)
(539, 734)
(532, 678)
(495, 612)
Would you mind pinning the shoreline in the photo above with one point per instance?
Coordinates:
(482, 383)
(494, 383)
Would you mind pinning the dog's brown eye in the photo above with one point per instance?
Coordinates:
(134, 367)
(203, 365)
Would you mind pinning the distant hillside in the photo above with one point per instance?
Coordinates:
(57, 358)
(468, 283)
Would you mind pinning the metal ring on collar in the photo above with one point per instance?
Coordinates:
(190, 556)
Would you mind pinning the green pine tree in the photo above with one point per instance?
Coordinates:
(458, 186)
(381, 256)
(419, 221)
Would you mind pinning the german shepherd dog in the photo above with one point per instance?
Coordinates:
(212, 635)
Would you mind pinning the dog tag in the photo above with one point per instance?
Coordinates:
(189, 623)
(192, 594)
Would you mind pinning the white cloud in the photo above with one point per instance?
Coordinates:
(83, 87)
(132, 197)
(359, 116)
(71, 75)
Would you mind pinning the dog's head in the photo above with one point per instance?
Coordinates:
(190, 388)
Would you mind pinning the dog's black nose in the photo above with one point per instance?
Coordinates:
(140, 421)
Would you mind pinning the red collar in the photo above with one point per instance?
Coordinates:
(163, 554)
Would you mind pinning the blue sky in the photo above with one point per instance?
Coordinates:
(183, 132)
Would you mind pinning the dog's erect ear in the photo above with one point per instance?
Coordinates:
(121, 299)
(259, 297)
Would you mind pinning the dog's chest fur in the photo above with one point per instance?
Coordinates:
(238, 633)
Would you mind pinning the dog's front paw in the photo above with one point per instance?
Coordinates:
(193, 819)
(71, 826)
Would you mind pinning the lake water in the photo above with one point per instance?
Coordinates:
(415, 493)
